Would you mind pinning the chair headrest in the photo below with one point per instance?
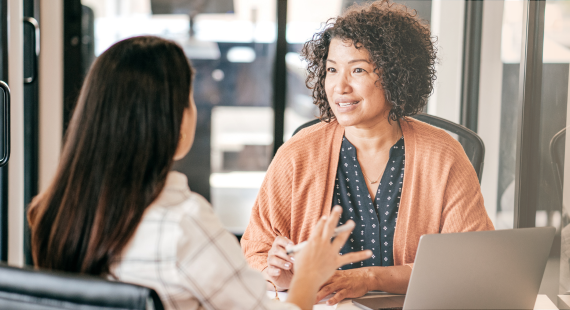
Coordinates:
(47, 286)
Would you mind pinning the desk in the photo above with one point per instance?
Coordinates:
(542, 302)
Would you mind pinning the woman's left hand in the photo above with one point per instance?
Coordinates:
(350, 283)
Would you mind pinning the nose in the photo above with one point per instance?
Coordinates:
(342, 84)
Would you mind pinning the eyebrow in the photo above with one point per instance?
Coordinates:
(351, 61)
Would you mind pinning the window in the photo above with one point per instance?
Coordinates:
(231, 44)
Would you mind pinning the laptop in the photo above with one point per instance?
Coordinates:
(499, 269)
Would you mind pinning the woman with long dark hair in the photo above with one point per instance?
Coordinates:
(116, 210)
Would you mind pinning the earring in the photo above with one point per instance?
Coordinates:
(183, 137)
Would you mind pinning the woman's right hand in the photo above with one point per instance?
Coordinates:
(279, 265)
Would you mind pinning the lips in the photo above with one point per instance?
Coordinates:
(346, 104)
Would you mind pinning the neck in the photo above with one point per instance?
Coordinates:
(373, 139)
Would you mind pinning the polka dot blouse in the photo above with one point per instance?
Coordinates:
(375, 219)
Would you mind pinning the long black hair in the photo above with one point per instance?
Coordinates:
(118, 150)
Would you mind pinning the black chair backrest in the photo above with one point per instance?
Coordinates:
(42, 290)
(305, 125)
(557, 146)
(471, 142)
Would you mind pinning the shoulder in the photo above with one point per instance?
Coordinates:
(196, 213)
(320, 128)
(428, 140)
(169, 222)
(309, 141)
(180, 208)
(199, 227)
(307, 151)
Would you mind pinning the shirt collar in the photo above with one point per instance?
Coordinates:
(176, 180)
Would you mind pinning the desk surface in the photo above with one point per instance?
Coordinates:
(542, 302)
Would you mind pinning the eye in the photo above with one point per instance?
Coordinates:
(331, 70)
(359, 70)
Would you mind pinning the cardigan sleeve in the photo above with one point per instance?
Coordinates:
(271, 213)
(463, 207)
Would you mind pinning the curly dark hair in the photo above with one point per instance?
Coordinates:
(400, 47)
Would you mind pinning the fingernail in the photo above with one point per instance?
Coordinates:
(287, 265)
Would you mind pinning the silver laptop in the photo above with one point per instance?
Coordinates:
(478, 270)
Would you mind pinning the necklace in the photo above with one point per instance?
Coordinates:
(378, 179)
(371, 182)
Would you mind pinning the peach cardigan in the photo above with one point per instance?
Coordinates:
(440, 194)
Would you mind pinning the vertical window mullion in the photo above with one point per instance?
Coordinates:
(530, 83)
(471, 63)
(4, 170)
(280, 76)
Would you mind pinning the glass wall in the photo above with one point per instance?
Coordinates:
(499, 106)
(304, 19)
(553, 207)
(231, 44)
(447, 25)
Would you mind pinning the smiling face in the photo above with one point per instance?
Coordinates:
(353, 91)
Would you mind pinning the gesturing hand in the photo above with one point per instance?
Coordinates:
(279, 265)
(346, 283)
(320, 258)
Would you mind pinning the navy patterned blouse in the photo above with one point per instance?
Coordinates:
(375, 219)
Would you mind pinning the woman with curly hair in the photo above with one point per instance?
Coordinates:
(398, 178)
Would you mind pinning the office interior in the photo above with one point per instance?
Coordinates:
(503, 72)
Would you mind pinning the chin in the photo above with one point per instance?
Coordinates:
(346, 121)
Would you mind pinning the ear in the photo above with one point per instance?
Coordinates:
(187, 130)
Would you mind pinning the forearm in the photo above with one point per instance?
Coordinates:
(393, 279)
(270, 286)
(303, 292)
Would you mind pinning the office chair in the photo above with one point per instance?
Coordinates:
(471, 142)
(557, 145)
(557, 148)
(43, 290)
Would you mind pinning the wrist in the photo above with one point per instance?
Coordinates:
(281, 288)
(303, 291)
(371, 280)
(272, 282)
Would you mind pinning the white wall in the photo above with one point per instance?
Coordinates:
(16, 162)
(490, 90)
(51, 89)
(447, 23)
(565, 233)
